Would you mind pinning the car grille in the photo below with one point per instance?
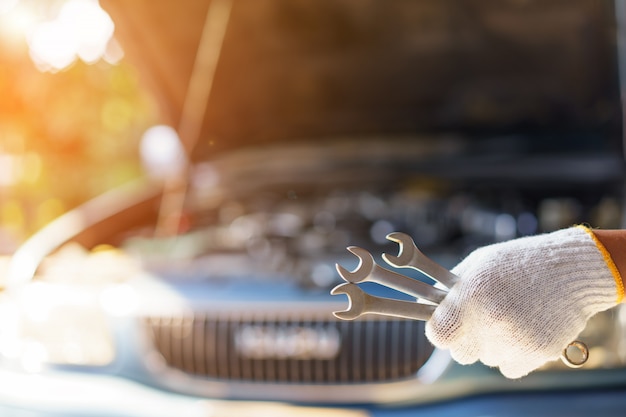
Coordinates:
(293, 350)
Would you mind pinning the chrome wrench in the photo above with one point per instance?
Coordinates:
(369, 271)
(409, 256)
(360, 303)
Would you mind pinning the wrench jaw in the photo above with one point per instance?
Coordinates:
(362, 271)
(410, 256)
(356, 301)
(405, 247)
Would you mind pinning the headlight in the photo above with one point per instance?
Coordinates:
(63, 316)
(56, 323)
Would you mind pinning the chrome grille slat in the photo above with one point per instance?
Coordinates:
(343, 364)
(247, 367)
(187, 347)
(211, 343)
(178, 330)
(407, 347)
(371, 350)
(221, 349)
(269, 370)
(381, 353)
(356, 351)
(234, 360)
(199, 345)
(166, 340)
(394, 352)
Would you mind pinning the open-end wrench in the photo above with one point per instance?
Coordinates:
(409, 256)
(360, 303)
(369, 271)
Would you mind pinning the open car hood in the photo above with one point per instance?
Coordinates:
(325, 68)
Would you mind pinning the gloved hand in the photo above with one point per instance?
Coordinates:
(520, 303)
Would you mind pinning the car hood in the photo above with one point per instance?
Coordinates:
(304, 69)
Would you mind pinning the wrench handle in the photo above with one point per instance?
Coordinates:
(397, 308)
(424, 264)
(406, 284)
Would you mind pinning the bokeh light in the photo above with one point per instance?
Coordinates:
(162, 152)
(7, 5)
(72, 112)
(81, 30)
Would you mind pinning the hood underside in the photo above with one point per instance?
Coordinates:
(299, 69)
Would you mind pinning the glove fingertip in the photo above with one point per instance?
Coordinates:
(464, 358)
(444, 327)
(441, 332)
(519, 369)
(512, 373)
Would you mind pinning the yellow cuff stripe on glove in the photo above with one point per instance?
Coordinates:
(619, 284)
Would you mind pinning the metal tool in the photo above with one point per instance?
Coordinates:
(369, 271)
(361, 303)
(409, 256)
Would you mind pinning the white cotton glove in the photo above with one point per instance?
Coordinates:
(520, 303)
